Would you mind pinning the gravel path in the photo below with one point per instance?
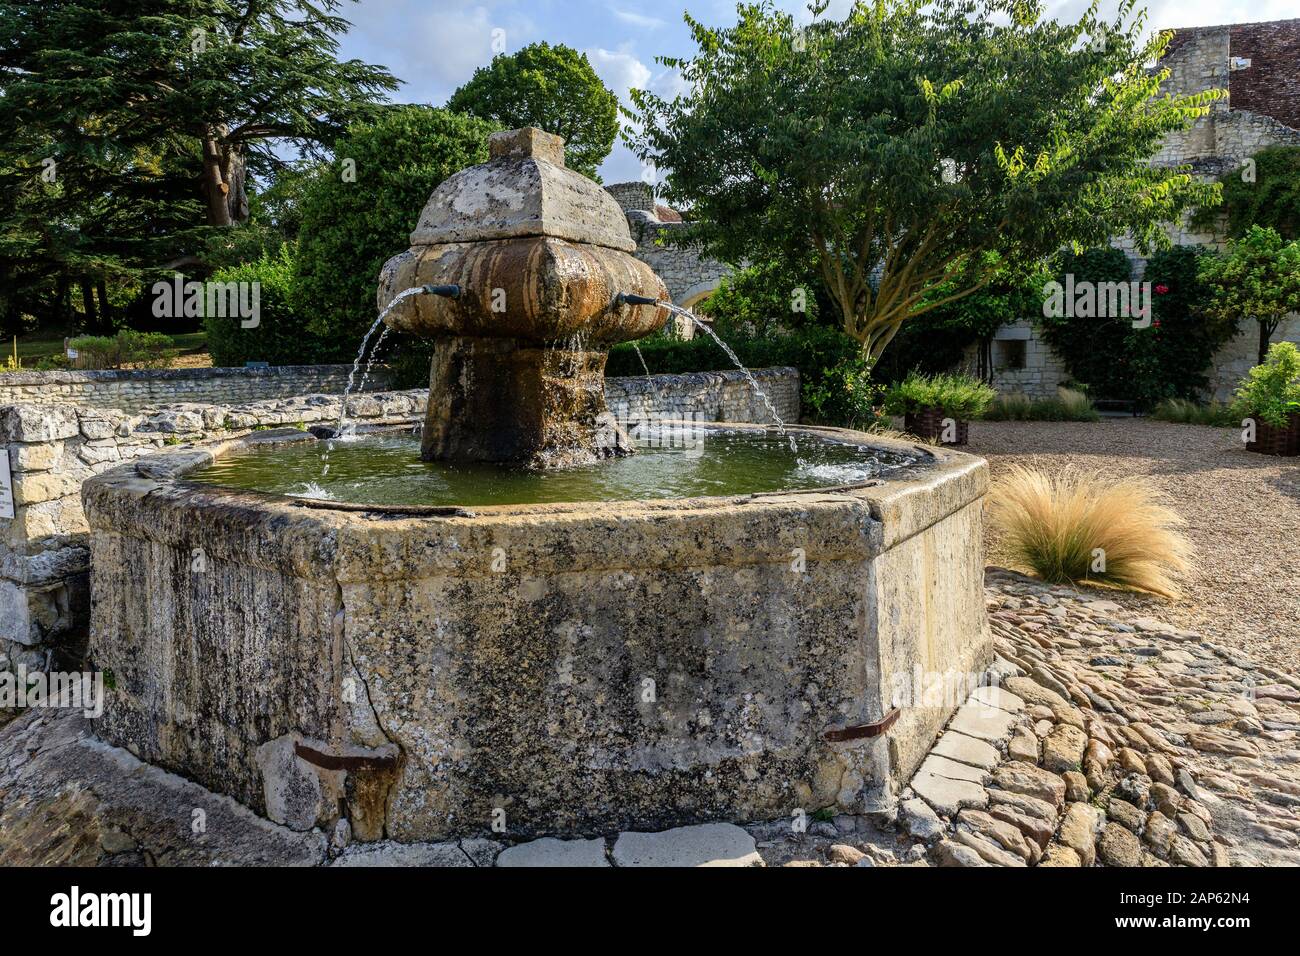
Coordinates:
(1242, 512)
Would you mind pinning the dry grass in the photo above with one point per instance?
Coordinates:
(1079, 525)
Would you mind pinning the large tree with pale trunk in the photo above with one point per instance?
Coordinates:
(905, 143)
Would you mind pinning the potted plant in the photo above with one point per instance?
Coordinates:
(1270, 395)
(939, 407)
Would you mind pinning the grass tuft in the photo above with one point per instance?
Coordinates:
(1060, 524)
(1182, 411)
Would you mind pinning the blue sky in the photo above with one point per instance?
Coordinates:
(435, 45)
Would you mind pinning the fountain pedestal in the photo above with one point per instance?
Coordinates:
(540, 254)
(502, 400)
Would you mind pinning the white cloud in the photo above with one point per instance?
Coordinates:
(637, 19)
(620, 71)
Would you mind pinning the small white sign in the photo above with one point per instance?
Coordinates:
(6, 485)
(72, 353)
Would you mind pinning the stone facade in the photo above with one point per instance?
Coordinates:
(136, 389)
(1261, 110)
(689, 276)
(54, 448)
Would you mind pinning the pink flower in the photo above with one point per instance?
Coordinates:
(1162, 289)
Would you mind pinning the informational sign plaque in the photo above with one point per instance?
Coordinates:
(6, 485)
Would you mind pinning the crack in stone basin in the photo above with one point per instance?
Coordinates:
(672, 462)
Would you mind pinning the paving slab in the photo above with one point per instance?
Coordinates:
(947, 796)
(967, 750)
(997, 697)
(549, 851)
(982, 721)
(708, 844)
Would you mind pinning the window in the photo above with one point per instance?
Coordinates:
(1010, 353)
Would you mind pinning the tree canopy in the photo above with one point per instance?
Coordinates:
(1258, 277)
(551, 87)
(359, 211)
(127, 127)
(904, 142)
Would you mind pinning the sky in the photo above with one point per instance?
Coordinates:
(435, 45)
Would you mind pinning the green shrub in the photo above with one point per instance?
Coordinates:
(349, 229)
(1271, 392)
(126, 348)
(280, 337)
(957, 396)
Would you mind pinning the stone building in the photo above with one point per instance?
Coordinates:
(690, 277)
(1259, 65)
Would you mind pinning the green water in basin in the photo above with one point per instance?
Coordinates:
(385, 469)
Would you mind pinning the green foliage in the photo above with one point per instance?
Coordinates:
(279, 337)
(844, 395)
(349, 229)
(1258, 277)
(1184, 335)
(1167, 358)
(1093, 348)
(1271, 198)
(126, 348)
(155, 113)
(1271, 390)
(550, 87)
(1069, 405)
(1185, 412)
(902, 143)
(957, 396)
(766, 299)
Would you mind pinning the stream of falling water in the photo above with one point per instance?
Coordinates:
(356, 365)
(646, 368)
(753, 382)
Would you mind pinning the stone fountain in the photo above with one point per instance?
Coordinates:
(519, 669)
(538, 256)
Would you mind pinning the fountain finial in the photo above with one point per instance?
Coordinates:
(527, 143)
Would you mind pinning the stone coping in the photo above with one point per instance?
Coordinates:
(315, 539)
(100, 376)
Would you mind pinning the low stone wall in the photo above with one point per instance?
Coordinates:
(705, 396)
(53, 448)
(133, 390)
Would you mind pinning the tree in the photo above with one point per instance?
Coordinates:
(551, 87)
(904, 142)
(1264, 192)
(218, 81)
(1258, 276)
(360, 211)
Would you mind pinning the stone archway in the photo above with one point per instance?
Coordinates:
(689, 299)
(699, 292)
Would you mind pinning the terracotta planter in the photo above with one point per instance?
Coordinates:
(1271, 440)
(929, 424)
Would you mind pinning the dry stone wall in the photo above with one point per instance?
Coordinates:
(136, 389)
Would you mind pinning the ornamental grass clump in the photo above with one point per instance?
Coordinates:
(1081, 526)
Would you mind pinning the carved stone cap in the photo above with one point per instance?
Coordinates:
(523, 190)
(529, 142)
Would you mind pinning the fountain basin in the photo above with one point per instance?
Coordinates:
(557, 668)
